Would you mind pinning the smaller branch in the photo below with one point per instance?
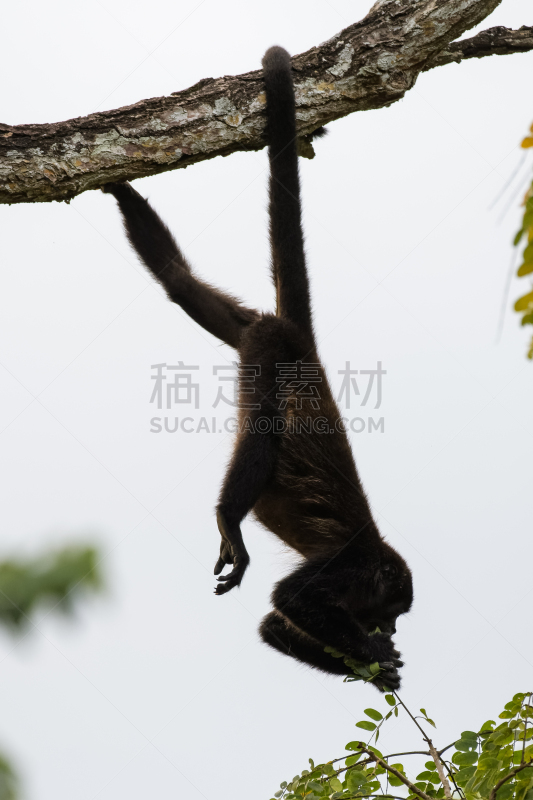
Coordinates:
(440, 752)
(422, 731)
(382, 763)
(408, 753)
(380, 796)
(513, 772)
(434, 755)
(497, 41)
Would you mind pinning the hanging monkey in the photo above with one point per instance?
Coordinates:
(299, 480)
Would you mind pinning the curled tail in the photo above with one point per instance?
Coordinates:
(286, 236)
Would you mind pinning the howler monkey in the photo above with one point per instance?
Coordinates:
(299, 480)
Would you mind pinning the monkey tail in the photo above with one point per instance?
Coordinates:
(286, 237)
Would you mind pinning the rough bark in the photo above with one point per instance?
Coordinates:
(492, 42)
(370, 64)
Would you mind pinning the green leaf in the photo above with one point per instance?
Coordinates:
(424, 712)
(394, 781)
(524, 788)
(373, 714)
(466, 744)
(391, 700)
(464, 775)
(336, 785)
(430, 776)
(365, 725)
(506, 791)
(351, 760)
(333, 652)
(503, 737)
(482, 782)
(488, 725)
(464, 759)
(528, 252)
(469, 735)
(518, 236)
(355, 779)
(430, 765)
(525, 269)
(488, 761)
(353, 746)
(523, 303)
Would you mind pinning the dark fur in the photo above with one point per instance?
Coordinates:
(303, 486)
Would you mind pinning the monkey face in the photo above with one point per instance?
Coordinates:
(392, 595)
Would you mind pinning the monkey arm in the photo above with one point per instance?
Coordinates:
(217, 312)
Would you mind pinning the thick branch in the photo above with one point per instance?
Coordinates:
(370, 64)
(492, 42)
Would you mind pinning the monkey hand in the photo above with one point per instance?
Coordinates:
(240, 563)
(379, 647)
(388, 678)
(384, 652)
(232, 551)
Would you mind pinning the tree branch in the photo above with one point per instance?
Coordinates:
(370, 64)
(401, 777)
(492, 42)
(508, 777)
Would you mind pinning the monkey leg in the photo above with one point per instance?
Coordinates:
(314, 599)
(216, 311)
(278, 632)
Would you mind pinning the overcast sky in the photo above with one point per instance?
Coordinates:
(162, 689)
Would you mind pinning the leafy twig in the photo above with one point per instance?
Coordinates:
(397, 774)
(434, 754)
(508, 777)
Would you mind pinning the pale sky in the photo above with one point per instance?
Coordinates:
(162, 689)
